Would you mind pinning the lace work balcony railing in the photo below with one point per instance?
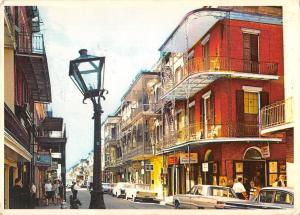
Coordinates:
(138, 151)
(197, 131)
(141, 109)
(220, 64)
(31, 44)
(277, 114)
(14, 127)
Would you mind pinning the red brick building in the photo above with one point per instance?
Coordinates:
(219, 68)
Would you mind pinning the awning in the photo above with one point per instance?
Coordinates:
(219, 140)
(52, 124)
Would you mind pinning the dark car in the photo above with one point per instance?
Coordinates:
(105, 187)
(268, 198)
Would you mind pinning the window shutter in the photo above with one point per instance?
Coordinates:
(212, 108)
(264, 99)
(246, 52)
(254, 47)
(202, 117)
(240, 112)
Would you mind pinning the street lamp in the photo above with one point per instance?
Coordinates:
(87, 72)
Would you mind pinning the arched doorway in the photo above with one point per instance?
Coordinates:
(254, 166)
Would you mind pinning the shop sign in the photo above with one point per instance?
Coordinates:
(54, 166)
(185, 159)
(173, 160)
(265, 151)
(204, 167)
(43, 159)
(136, 166)
(149, 167)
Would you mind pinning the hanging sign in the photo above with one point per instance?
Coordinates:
(185, 159)
(173, 160)
(149, 167)
(265, 151)
(43, 159)
(204, 167)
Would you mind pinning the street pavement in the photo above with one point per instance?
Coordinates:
(110, 202)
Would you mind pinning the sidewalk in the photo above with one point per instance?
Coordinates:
(168, 201)
(66, 205)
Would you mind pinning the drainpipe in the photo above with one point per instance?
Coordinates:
(189, 167)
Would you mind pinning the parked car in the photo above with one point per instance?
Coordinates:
(267, 198)
(119, 189)
(139, 192)
(205, 196)
(111, 187)
(105, 187)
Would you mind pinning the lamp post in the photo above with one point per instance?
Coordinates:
(87, 72)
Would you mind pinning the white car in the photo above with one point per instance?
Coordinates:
(139, 192)
(205, 197)
(119, 189)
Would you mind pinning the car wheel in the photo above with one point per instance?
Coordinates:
(177, 204)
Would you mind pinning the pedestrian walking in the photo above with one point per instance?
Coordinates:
(55, 194)
(61, 193)
(75, 190)
(18, 195)
(247, 186)
(27, 196)
(48, 191)
(239, 189)
(33, 195)
(253, 191)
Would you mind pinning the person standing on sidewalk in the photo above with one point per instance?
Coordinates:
(48, 191)
(33, 195)
(18, 195)
(239, 189)
(61, 193)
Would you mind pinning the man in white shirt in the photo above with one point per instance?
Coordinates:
(239, 189)
(48, 191)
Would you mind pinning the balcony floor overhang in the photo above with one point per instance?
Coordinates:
(35, 70)
(56, 144)
(203, 142)
(192, 84)
(53, 124)
(276, 128)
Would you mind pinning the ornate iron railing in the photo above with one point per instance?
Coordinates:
(14, 127)
(219, 64)
(198, 131)
(137, 151)
(276, 114)
(30, 43)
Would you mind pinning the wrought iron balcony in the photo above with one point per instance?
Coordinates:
(220, 66)
(138, 151)
(277, 114)
(198, 131)
(30, 44)
(143, 109)
(14, 128)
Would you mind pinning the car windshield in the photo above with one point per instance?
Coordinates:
(142, 187)
(266, 196)
(221, 191)
(192, 191)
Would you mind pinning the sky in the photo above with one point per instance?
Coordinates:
(128, 34)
